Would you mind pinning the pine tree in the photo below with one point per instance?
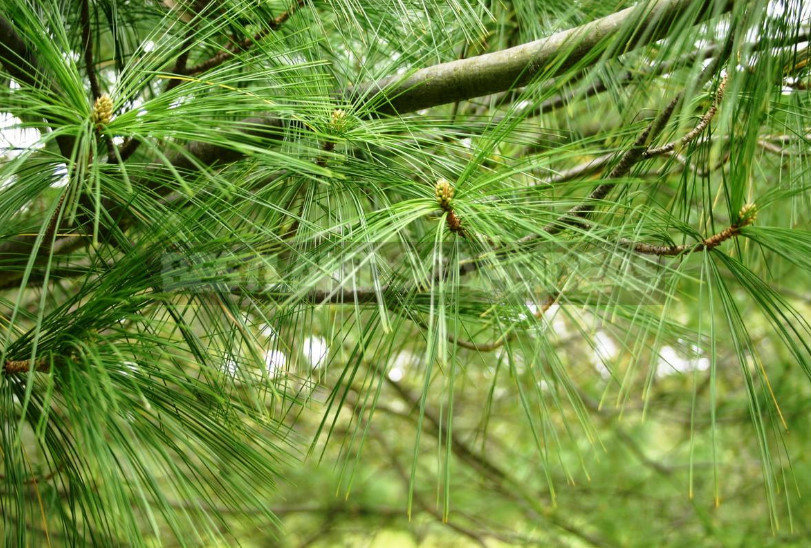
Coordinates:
(497, 271)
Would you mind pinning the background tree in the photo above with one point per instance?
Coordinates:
(510, 272)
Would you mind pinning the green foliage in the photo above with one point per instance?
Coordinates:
(571, 311)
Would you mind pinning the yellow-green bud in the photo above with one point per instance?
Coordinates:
(747, 214)
(102, 111)
(339, 120)
(444, 193)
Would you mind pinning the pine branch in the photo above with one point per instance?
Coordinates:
(494, 72)
(697, 130)
(746, 216)
(508, 335)
(490, 70)
(87, 49)
(637, 152)
(16, 367)
(246, 44)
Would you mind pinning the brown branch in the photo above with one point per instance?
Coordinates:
(780, 151)
(182, 61)
(697, 130)
(245, 44)
(341, 295)
(328, 147)
(54, 222)
(746, 216)
(34, 480)
(87, 47)
(15, 367)
(630, 157)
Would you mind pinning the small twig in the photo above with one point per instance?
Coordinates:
(15, 367)
(476, 460)
(747, 216)
(696, 131)
(231, 51)
(327, 148)
(628, 159)
(128, 148)
(640, 454)
(182, 61)
(367, 295)
(54, 221)
(780, 151)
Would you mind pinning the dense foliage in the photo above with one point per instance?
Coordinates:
(454, 272)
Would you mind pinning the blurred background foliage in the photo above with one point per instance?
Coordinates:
(242, 303)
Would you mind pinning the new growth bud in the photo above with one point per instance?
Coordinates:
(339, 121)
(102, 111)
(747, 215)
(444, 193)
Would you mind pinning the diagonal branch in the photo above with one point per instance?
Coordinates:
(495, 72)
(230, 52)
(16, 367)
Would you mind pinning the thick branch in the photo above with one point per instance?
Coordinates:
(495, 72)
(490, 68)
